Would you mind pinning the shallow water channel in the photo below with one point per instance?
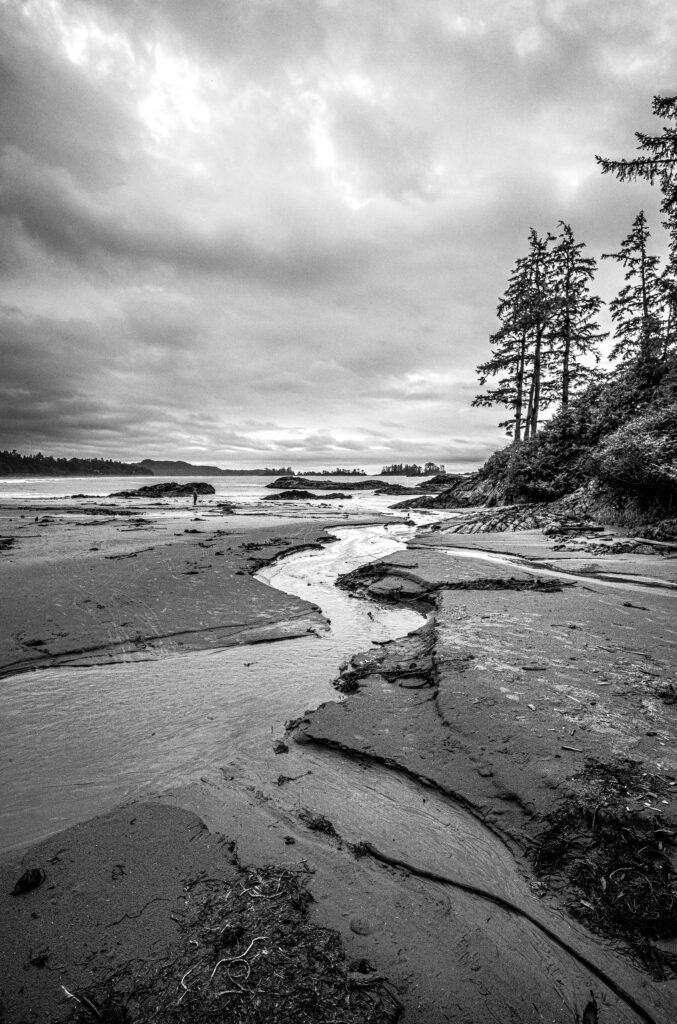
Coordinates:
(78, 741)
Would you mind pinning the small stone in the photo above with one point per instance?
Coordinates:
(30, 879)
(359, 926)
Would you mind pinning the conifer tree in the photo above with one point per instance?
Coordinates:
(509, 346)
(659, 164)
(668, 288)
(573, 331)
(520, 354)
(538, 311)
(638, 308)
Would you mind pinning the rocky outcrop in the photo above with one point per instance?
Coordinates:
(466, 491)
(166, 490)
(520, 517)
(299, 495)
(441, 482)
(385, 488)
(303, 482)
(572, 515)
(308, 483)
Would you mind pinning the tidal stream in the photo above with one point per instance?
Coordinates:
(78, 741)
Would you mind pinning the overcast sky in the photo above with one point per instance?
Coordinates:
(255, 232)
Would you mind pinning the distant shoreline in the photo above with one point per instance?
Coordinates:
(195, 471)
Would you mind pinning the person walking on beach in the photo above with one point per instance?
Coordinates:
(195, 496)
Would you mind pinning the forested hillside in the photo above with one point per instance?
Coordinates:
(14, 464)
(613, 431)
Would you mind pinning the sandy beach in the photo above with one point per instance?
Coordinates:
(412, 811)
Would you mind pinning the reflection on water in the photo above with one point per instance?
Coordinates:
(77, 741)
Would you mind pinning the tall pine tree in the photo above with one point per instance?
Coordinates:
(509, 360)
(548, 329)
(520, 358)
(637, 310)
(658, 164)
(540, 308)
(573, 331)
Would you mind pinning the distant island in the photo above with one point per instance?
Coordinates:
(14, 464)
(413, 469)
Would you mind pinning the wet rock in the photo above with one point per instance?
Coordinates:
(295, 494)
(294, 483)
(166, 490)
(441, 482)
(360, 926)
(301, 495)
(30, 879)
(361, 966)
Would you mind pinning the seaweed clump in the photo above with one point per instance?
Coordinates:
(248, 954)
(614, 862)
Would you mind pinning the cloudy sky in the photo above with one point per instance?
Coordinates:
(260, 232)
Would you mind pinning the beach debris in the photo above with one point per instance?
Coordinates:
(246, 953)
(318, 823)
(30, 879)
(610, 853)
(283, 779)
(108, 1011)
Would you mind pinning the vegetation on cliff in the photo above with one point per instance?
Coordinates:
(614, 431)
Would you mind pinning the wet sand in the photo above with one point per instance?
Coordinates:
(523, 678)
(529, 681)
(83, 589)
(518, 700)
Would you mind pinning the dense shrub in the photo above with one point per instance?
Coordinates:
(640, 458)
(621, 431)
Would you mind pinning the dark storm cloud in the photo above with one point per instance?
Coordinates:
(49, 207)
(233, 229)
(47, 114)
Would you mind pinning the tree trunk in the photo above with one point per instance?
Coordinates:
(566, 354)
(645, 353)
(530, 410)
(535, 397)
(519, 399)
